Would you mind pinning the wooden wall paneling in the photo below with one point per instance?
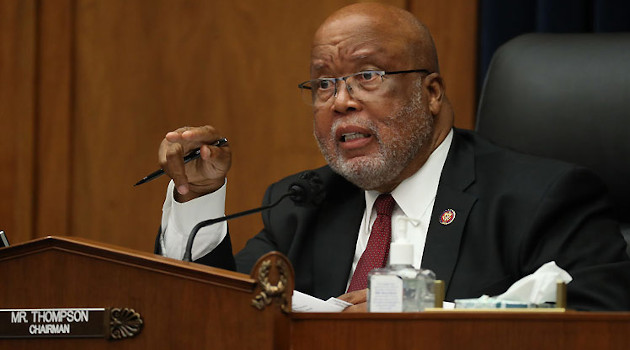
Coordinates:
(398, 3)
(123, 94)
(146, 67)
(54, 117)
(17, 113)
(116, 75)
(281, 141)
(453, 24)
(97, 85)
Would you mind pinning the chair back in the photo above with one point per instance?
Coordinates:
(565, 96)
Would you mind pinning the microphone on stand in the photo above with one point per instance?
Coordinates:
(306, 191)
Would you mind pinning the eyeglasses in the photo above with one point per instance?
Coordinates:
(359, 85)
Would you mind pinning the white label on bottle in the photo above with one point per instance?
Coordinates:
(386, 293)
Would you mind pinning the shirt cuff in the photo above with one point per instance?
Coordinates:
(178, 219)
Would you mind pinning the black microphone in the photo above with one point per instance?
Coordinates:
(305, 191)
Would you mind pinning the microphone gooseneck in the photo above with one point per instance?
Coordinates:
(305, 191)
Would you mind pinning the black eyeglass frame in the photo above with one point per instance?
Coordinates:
(382, 73)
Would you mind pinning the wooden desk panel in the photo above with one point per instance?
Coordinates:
(462, 330)
(183, 305)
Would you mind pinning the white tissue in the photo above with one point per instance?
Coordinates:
(539, 287)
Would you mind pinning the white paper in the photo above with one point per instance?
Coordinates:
(447, 305)
(539, 287)
(302, 302)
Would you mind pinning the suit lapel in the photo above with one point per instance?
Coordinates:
(443, 239)
(337, 225)
(336, 234)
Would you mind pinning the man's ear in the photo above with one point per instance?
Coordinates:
(434, 85)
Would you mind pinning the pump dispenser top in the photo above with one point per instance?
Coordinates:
(401, 250)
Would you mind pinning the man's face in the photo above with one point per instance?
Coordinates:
(370, 141)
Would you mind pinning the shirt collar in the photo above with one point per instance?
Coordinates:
(415, 194)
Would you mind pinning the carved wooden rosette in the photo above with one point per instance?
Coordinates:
(275, 277)
(124, 323)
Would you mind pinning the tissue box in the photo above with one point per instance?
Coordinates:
(486, 302)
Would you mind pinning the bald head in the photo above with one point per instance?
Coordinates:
(376, 133)
(381, 22)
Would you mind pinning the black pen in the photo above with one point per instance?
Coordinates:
(194, 154)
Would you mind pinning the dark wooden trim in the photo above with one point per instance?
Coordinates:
(54, 115)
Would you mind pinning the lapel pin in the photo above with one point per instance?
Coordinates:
(447, 217)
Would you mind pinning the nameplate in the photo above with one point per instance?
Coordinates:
(69, 323)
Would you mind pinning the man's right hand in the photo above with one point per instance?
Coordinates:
(201, 176)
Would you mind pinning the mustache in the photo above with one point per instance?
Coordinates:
(353, 121)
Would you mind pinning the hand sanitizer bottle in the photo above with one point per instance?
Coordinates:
(428, 287)
(399, 287)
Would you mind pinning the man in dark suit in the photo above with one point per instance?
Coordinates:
(487, 216)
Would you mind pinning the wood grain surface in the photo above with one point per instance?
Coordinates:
(90, 87)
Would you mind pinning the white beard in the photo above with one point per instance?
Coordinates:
(369, 172)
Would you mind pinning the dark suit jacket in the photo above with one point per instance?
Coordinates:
(513, 214)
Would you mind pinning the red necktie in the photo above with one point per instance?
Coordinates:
(377, 250)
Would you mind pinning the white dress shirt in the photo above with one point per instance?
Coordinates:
(178, 219)
(414, 197)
